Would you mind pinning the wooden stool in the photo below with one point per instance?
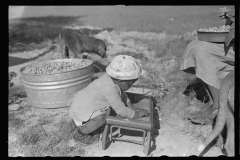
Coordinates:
(144, 124)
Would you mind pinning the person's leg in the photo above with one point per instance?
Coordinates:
(208, 92)
(93, 124)
(213, 94)
(209, 110)
(210, 65)
(84, 134)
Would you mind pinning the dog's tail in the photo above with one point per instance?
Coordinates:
(223, 107)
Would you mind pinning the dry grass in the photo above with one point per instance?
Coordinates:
(14, 121)
(34, 141)
(33, 135)
(39, 133)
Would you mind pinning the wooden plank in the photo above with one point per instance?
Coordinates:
(139, 90)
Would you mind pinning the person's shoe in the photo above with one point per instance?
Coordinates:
(93, 139)
(85, 139)
(204, 118)
(203, 110)
(72, 126)
(79, 136)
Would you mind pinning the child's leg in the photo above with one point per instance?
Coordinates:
(93, 124)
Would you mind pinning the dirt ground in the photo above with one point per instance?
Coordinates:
(175, 137)
(43, 132)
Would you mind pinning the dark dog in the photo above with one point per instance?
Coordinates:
(74, 43)
(225, 116)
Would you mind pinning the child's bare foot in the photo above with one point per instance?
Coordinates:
(79, 136)
(85, 139)
(89, 140)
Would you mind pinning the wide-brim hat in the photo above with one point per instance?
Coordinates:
(124, 67)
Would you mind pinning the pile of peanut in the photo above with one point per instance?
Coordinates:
(216, 29)
(44, 68)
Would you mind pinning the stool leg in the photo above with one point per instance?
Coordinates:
(111, 133)
(147, 143)
(144, 137)
(105, 137)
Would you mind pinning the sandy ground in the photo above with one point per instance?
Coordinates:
(176, 136)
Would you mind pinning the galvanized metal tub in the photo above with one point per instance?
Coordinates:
(218, 37)
(56, 90)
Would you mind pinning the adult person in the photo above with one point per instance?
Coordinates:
(211, 62)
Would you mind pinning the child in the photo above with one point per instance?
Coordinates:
(89, 106)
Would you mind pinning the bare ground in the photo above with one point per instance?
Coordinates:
(43, 132)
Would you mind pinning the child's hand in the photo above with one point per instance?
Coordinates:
(140, 113)
(129, 104)
(225, 13)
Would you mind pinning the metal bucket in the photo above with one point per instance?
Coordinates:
(56, 90)
(212, 36)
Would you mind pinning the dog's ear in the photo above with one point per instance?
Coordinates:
(101, 49)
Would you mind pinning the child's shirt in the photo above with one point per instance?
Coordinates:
(98, 95)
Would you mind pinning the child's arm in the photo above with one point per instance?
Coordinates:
(129, 104)
(115, 100)
(138, 112)
(126, 100)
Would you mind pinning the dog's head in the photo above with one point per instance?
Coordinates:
(101, 49)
